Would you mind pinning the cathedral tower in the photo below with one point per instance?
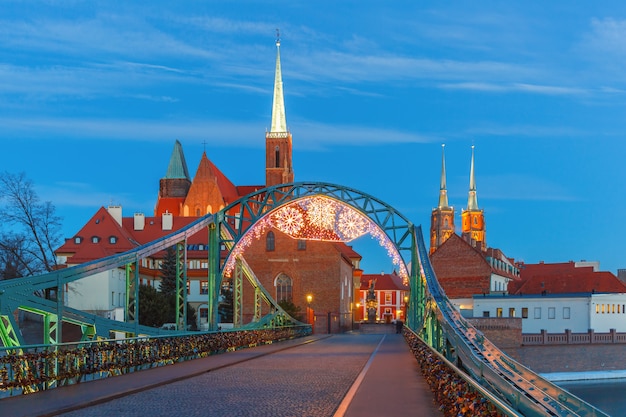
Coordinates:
(473, 218)
(174, 186)
(278, 160)
(442, 217)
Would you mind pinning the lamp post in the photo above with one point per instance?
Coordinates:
(309, 298)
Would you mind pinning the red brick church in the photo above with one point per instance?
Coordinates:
(319, 277)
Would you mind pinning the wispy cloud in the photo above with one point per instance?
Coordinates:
(516, 87)
(310, 135)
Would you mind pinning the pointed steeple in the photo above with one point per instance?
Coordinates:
(279, 122)
(443, 192)
(278, 145)
(472, 201)
(177, 167)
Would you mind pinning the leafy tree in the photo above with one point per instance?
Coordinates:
(291, 309)
(225, 305)
(155, 308)
(168, 271)
(33, 229)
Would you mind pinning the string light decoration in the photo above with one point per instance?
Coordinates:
(317, 218)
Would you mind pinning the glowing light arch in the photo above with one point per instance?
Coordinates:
(334, 212)
(316, 217)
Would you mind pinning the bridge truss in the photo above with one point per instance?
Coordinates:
(352, 214)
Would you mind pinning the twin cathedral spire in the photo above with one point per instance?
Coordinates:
(442, 216)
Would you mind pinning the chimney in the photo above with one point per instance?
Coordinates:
(168, 221)
(116, 213)
(140, 221)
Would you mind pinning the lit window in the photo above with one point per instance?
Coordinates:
(204, 287)
(524, 312)
(499, 312)
(512, 312)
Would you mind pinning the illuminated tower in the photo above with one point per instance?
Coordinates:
(442, 217)
(278, 161)
(473, 218)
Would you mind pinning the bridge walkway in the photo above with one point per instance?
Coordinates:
(354, 374)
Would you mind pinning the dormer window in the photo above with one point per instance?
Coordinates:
(112, 239)
(95, 239)
(78, 240)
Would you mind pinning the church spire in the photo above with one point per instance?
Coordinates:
(177, 167)
(443, 192)
(279, 122)
(473, 219)
(278, 145)
(472, 202)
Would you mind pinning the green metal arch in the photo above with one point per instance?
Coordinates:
(237, 219)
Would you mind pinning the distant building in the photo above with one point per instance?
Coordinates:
(556, 313)
(390, 298)
(565, 278)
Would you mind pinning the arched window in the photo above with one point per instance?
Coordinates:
(283, 288)
(277, 156)
(445, 222)
(270, 241)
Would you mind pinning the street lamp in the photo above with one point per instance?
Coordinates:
(309, 298)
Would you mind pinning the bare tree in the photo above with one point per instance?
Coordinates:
(33, 230)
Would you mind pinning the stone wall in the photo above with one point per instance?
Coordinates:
(504, 332)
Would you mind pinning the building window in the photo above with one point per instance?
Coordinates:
(485, 314)
(499, 312)
(511, 312)
(95, 239)
(277, 156)
(188, 292)
(551, 312)
(113, 239)
(270, 241)
(524, 312)
(204, 315)
(204, 287)
(301, 244)
(566, 312)
(283, 288)
(112, 298)
(388, 298)
(537, 312)
(78, 239)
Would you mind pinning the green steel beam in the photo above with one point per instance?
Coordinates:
(214, 274)
(257, 303)
(238, 295)
(8, 335)
(181, 285)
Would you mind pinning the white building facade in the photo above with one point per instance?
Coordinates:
(556, 313)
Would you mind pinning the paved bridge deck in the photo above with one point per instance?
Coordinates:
(349, 375)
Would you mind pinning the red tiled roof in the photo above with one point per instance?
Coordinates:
(168, 205)
(563, 278)
(384, 282)
(103, 226)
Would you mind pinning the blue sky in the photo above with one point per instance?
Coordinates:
(94, 94)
